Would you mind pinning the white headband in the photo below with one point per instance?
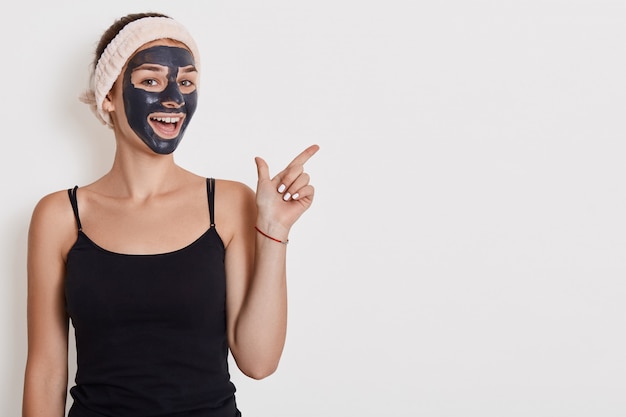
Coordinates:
(122, 47)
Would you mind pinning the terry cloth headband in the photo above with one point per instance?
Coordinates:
(122, 47)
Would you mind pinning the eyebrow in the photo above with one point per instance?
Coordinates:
(161, 68)
(150, 67)
(188, 68)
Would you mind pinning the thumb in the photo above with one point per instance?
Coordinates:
(262, 169)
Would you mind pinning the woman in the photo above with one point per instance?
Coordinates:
(161, 271)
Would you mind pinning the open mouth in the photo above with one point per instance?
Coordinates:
(166, 127)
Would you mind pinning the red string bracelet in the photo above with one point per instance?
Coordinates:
(284, 242)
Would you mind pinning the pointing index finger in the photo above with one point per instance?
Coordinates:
(305, 155)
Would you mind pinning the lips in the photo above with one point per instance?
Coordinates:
(166, 126)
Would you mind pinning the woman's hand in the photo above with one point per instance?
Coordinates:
(282, 200)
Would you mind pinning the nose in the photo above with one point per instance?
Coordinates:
(171, 96)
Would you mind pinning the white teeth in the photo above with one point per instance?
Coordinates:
(167, 119)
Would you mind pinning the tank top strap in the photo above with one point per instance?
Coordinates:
(72, 194)
(210, 187)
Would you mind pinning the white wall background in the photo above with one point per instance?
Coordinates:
(466, 253)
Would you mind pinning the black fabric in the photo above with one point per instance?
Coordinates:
(150, 329)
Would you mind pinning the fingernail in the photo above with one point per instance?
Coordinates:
(286, 196)
(295, 196)
(281, 188)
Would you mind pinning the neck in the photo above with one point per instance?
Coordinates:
(143, 174)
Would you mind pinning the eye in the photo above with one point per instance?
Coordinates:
(186, 86)
(150, 82)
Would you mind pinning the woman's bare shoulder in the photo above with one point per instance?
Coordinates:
(53, 220)
(53, 205)
(235, 208)
(234, 189)
(237, 196)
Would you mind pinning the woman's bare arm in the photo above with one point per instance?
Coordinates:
(256, 266)
(51, 234)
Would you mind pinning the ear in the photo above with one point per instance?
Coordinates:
(107, 104)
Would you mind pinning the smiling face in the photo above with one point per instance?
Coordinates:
(159, 93)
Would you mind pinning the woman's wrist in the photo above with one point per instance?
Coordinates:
(272, 230)
(284, 242)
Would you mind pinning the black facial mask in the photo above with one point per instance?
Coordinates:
(141, 105)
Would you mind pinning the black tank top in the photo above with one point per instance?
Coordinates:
(150, 329)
